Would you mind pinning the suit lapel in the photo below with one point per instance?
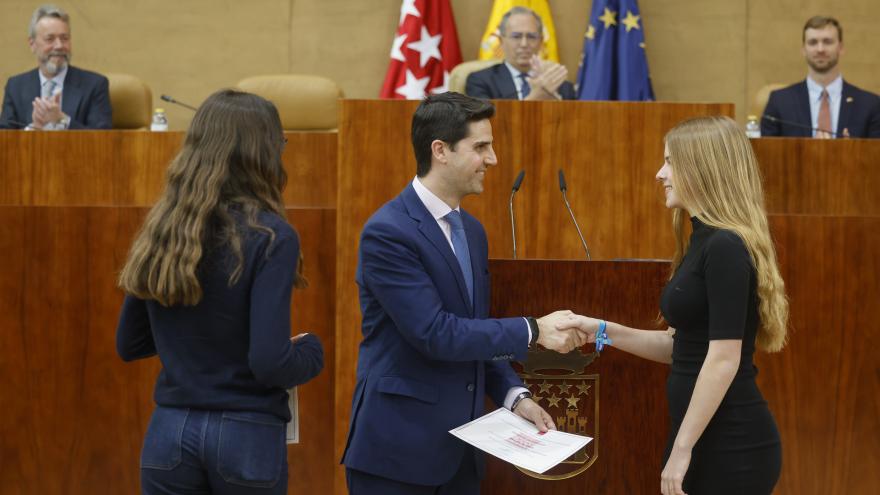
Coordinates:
(72, 94)
(429, 228)
(506, 87)
(803, 109)
(847, 100)
(31, 91)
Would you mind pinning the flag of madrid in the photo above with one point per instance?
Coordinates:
(424, 51)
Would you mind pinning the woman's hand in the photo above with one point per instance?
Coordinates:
(585, 324)
(673, 473)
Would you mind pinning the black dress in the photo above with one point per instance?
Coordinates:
(713, 296)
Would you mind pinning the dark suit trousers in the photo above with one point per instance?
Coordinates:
(464, 482)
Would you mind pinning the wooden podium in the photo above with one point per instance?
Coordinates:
(616, 398)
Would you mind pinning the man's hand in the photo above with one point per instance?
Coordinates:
(587, 326)
(547, 77)
(557, 335)
(47, 110)
(531, 411)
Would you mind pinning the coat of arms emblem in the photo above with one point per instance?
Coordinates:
(559, 384)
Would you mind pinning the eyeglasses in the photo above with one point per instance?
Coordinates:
(530, 37)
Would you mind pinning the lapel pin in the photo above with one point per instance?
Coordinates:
(849, 99)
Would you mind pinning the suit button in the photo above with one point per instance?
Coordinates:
(470, 387)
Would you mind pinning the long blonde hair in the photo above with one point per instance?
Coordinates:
(716, 176)
(230, 165)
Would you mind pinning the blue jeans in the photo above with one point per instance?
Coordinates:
(192, 451)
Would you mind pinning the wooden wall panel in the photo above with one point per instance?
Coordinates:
(74, 414)
(103, 168)
(824, 387)
(820, 177)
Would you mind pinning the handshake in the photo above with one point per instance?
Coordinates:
(564, 331)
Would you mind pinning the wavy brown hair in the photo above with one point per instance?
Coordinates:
(716, 176)
(229, 168)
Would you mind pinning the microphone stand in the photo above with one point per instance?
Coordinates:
(800, 126)
(172, 100)
(563, 188)
(516, 184)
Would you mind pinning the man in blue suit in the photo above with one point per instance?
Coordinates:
(430, 354)
(55, 96)
(522, 75)
(823, 105)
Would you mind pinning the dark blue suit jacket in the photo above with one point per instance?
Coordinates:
(428, 356)
(859, 112)
(86, 99)
(496, 83)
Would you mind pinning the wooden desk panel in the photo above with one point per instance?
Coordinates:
(74, 415)
(824, 387)
(632, 427)
(127, 168)
(820, 176)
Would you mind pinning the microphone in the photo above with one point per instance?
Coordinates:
(795, 124)
(563, 188)
(516, 184)
(172, 100)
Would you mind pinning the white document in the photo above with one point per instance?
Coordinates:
(293, 425)
(517, 441)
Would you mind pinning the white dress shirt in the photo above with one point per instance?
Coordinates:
(835, 95)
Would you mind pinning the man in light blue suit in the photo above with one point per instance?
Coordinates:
(429, 354)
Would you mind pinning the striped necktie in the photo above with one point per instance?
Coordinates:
(49, 88)
(525, 89)
(462, 253)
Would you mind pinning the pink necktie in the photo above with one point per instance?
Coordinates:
(824, 116)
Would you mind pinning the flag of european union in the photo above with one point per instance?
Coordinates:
(613, 64)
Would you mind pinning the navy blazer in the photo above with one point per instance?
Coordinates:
(86, 99)
(859, 112)
(496, 83)
(428, 356)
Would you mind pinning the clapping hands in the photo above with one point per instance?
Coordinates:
(547, 76)
(46, 111)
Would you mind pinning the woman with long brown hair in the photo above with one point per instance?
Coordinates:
(208, 283)
(725, 297)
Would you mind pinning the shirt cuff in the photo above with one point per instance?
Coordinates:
(511, 395)
(528, 329)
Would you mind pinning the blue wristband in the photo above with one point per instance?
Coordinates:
(601, 337)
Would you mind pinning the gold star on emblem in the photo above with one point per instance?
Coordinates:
(572, 401)
(545, 387)
(537, 399)
(591, 32)
(583, 388)
(553, 400)
(631, 21)
(564, 386)
(609, 18)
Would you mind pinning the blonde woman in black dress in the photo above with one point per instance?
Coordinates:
(725, 297)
